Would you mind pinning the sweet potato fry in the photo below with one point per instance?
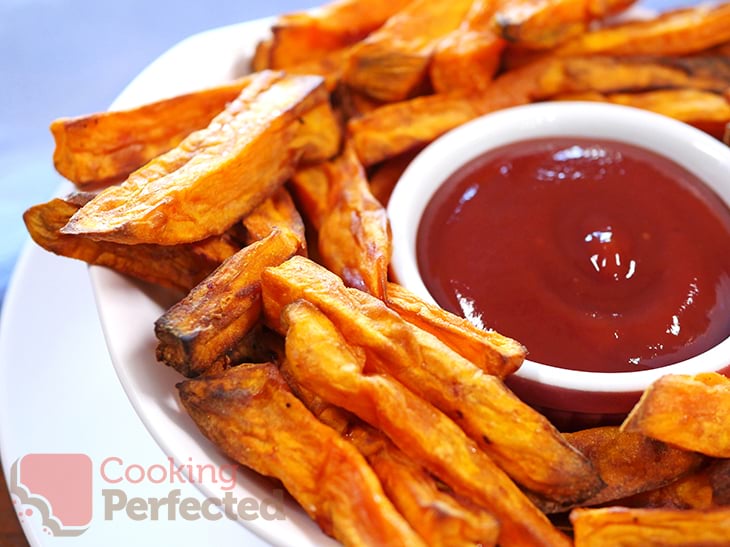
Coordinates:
(386, 175)
(354, 237)
(178, 267)
(331, 67)
(311, 187)
(542, 24)
(200, 329)
(318, 134)
(650, 527)
(392, 62)
(628, 463)
(501, 424)
(249, 409)
(679, 32)
(277, 212)
(493, 353)
(692, 412)
(104, 148)
(321, 360)
(215, 176)
(693, 491)
(311, 35)
(262, 55)
(429, 506)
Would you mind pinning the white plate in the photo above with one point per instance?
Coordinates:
(129, 309)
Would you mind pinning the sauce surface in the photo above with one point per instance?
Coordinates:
(596, 255)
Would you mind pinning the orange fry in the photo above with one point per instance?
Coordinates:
(277, 212)
(249, 409)
(178, 267)
(322, 361)
(215, 176)
(692, 412)
(386, 175)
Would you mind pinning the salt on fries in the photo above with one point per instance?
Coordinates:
(383, 415)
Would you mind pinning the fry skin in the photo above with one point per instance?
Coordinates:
(615, 526)
(489, 413)
(354, 236)
(249, 409)
(179, 267)
(321, 360)
(199, 330)
(215, 176)
(692, 412)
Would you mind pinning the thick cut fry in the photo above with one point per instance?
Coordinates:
(321, 360)
(249, 409)
(520, 440)
(392, 62)
(311, 187)
(692, 412)
(330, 67)
(542, 24)
(616, 526)
(277, 212)
(679, 32)
(200, 329)
(489, 350)
(386, 175)
(628, 463)
(318, 134)
(215, 176)
(354, 237)
(105, 148)
(178, 267)
(311, 35)
(709, 112)
(429, 506)
(396, 128)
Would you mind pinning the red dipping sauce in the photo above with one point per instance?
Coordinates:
(597, 255)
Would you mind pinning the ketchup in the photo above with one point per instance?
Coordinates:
(597, 255)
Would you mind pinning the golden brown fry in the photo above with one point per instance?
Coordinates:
(428, 505)
(392, 62)
(707, 111)
(386, 175)
(277, 212)
(178, 267)
(692, 412)
(321, 360)
(614, 526)
(679, 32)
(628, 463)
(693, 491)
(310, 35)
(398, 127)
(249, 409)
(200, 329)
(520, 440)
(105, 148)
(354, 236)
(215, 176)
(493, 353)
(542, 24)
(318, 134)
(311, 187)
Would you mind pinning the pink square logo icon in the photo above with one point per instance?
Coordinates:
(59, 487)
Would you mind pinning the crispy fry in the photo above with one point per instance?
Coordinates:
(628, 463)
(277, 212)
(311, 35)
(679, 32)
(396, 128)
(321, 360)
(392, 62)
(429, 506)
(692, 412)
(104, 148)
(386, 175)
(178, 267)
(650, 527)
(693, 491)
(249, 409)
(707, 111)
(200, 329)
(501, 424)
(311, 188)
(542, 24)
(318, 134)
(215, 176)
(489, 350)
(354, 237)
